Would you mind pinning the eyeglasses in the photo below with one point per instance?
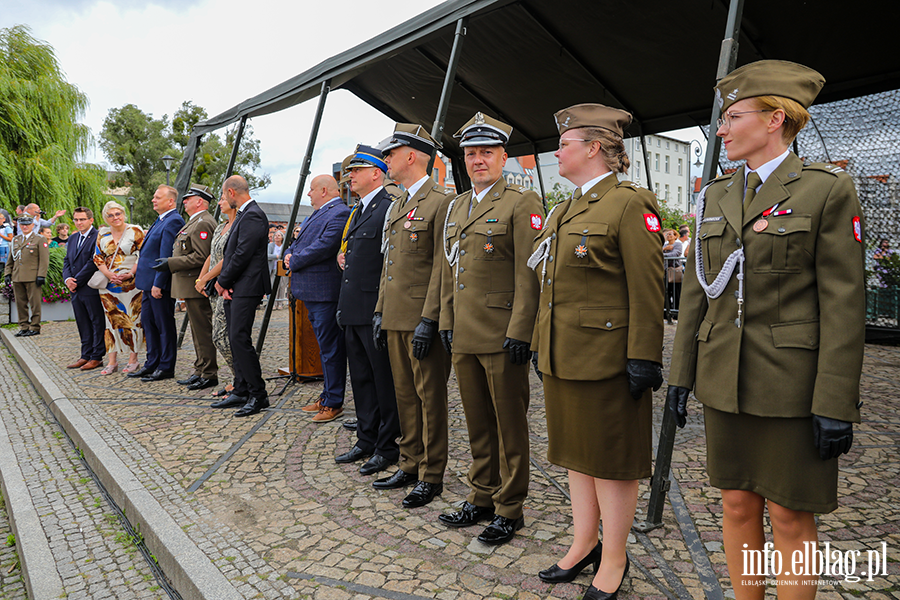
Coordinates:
(565, 142)
(729, 117)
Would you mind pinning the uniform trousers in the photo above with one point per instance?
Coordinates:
(378, 425)
(331, 349)
(421, 389)
(91, 322)
(199, 313)
(239, 314)
(495, 397)
(158, 321)
(28, 293)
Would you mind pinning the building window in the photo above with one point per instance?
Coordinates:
(679, 195)
(637, 173)
(510, 179)
(667, 191)
(681, 166)
(667, 163)
(436, 175)
(656, 189)
(657, 142)
(676, 148)
(657, 163)
(668, 147)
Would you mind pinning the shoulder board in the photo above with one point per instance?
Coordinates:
(627, 185)
(828, 168)
(518, 188)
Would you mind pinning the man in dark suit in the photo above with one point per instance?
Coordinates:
(316, 281)
(157, 304)
(378, 424)
(242, 283)
(78, 267)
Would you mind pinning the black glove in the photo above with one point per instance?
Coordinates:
(447, 340)
(161, 264)
(8, 279)
(378, 335)
(676, 401)
(534, 363)
(210, 288)
(643, 374)
(422, 337)
(518, 351)
(40, 280)
(832, 437)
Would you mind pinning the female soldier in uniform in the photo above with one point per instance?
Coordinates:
(599, 339)
(771, 331)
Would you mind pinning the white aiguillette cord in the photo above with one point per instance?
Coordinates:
(715, 289)
(452, 253)
(542, 252)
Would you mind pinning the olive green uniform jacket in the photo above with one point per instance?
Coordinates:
(28, 260)
(598, 310)
(799, 347)
(189, 252)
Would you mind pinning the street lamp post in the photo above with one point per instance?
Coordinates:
(168, 160)
(131, 209)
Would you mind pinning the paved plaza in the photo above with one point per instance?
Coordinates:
(222, 508)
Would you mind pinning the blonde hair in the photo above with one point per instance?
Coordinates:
(795, 116)
(108, 207)
(612, 148)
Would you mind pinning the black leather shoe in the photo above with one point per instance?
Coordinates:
(555, 574)
(253, 406)
(350, 424)
(142, 372)
(376, 464)
(201, 383)
(30, 333)
(230, 401)
(21, 332)
(467, 516)
(356, 453)
(501, 530)
(593, 593)
(189, 380)
(422, 494)
(158, 375)
(222, 393)
(398, 480)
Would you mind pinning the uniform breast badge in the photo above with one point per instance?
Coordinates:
(581, 249)
(760, 225)
(414, 237)
(488, 247)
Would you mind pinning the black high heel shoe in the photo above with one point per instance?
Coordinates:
(555, 574)
(593, 593)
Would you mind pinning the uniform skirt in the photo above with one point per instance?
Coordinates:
(597, 428)
(772, 456)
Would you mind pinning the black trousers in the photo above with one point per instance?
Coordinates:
(91, 322)
(158, 321)
(378, 425)
(239, 314)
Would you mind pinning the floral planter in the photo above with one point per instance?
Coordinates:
(50, 311)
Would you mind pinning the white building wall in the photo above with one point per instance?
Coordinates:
(670, 168)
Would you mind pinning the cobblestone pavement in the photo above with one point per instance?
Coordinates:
(264, 499)
(11, 585)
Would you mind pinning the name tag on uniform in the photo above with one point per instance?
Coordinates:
(711, 219)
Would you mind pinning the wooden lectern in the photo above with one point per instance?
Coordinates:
(306, 362)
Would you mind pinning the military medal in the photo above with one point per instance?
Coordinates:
(406, 225)
(581, 249)
(414, 237)
(764, 221)
(488, 248)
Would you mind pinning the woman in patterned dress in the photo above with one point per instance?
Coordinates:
(118, 247)
(209, 272)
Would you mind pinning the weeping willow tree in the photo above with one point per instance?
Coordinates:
(42, 144)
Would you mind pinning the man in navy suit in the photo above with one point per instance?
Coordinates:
(242, 283)
(78, 267)
(316, 280)
(378, 424)
(157, 304)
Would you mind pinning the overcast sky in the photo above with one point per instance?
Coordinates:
(128, 51)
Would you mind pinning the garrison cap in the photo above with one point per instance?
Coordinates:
(769, 78)
(367, 156)
(414, 136)
(593, 115)
(199, 190)
(482, 130)
(25, 220)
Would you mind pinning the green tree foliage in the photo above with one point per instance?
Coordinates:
(42, 145)
(674, 218)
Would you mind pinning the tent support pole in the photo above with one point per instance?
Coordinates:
(537, 166)
(437, 129)
(298, 195)
(644, 147)
(659, 484)
(193, 145)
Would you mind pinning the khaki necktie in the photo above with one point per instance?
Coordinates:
(472, 203)
(753, 182)
(575, 198)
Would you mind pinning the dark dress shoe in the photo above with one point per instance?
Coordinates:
(201, 383)
(350, 424)
(142, 372)
(21, 332)
(30, 333)
(593, 593)
(158, 375)
(397, 480)
(501, 530)
(189, 380)
(422, 494)
(253, 406)
(78, 363)
(222, 393)
(555, 574)
(356, 453)
(376, 464)
(91, 364)
(467, 516)
(230, 401)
